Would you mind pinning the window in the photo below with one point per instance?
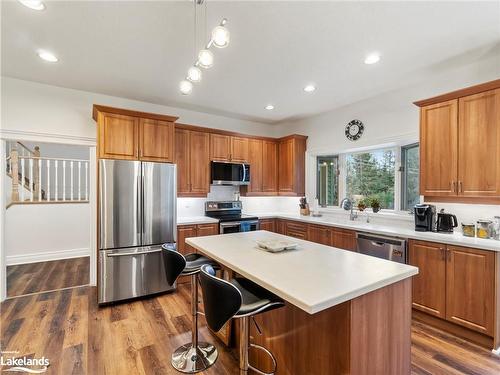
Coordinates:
(327, 184)
(389, 175)
(370, 175)
(410, 159)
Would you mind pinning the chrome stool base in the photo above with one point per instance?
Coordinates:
(189, 360)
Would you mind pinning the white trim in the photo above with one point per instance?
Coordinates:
(21, 135)
(44, 256)
(93, 214)
(3, 271)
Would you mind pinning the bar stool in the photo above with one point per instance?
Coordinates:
(237, 298)
(197, 355)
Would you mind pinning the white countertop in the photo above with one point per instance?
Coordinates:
(191, 220)
(313, 277)
(359, 224)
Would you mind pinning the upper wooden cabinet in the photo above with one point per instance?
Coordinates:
(192, 159)
(228, 148)
(438, 149)
(239, 149)
(460, 145)
(291, 171)
(220, 147)
(118, 136)
(270, 167)
(132, 135)
(479, 145)
(156, 140)
(255, 159)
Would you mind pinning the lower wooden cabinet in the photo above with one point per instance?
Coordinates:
(455, 283)
(429, 285)
(319, 234)
(296, 229)
(267, 224)
(470, 288)
(344, 239)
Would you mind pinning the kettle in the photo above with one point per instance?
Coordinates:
(446, 222)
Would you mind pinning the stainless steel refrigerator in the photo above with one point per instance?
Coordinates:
(137, 211)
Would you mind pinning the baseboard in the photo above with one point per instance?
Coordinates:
(44, 256)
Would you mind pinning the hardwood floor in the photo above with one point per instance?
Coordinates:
(138, 337)
(45, 276)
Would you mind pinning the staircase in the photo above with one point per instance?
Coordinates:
(36, 179)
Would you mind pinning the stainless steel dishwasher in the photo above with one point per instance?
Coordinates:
(390, 248)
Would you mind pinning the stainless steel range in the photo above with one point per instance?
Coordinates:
(231, 220)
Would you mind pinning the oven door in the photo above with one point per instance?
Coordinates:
(238, 226)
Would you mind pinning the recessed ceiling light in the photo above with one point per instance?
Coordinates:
(372, 58)
(33, 4)
(47, 56)
(269, 107)
(309, 88)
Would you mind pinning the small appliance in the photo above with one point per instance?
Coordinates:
(425, 217)
(446, 222)
(224, 173)
(231, 220)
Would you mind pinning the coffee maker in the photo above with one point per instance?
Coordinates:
(425, 218)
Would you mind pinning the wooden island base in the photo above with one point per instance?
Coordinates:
(367, 335)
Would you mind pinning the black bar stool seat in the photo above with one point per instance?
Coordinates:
(196, 355)
(237, 298)
(255, 299)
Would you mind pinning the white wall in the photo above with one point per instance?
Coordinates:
(390, 118)
(42, 232)
(55, 114)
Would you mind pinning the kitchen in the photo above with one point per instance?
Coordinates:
(366, 232)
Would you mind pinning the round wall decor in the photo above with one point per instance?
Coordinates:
(354, 130)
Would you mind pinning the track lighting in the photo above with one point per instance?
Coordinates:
(194, 74)
(186, 87)
(205, 58)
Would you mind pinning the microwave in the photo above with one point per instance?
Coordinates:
(224, 173)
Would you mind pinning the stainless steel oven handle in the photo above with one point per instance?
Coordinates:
(230, 224)
(132, 254)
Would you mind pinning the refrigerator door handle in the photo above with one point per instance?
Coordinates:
(134, 253)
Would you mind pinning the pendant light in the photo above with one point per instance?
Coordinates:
(219, 38)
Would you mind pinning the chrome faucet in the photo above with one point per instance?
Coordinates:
(347, 205)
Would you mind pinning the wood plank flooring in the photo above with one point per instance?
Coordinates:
(44, 276)
(138, 337)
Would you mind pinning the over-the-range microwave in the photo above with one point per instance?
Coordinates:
(224, 173)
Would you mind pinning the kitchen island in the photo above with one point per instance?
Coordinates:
(345, 313)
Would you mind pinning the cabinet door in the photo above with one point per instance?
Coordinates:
(479, 145)
(343, 239)
(470, 281)
(199, 163)
(286, 166)
(156, 140)
(182, 152)
(255, 160)
(183, 232)
(267, 224)
(220, 147)
(269, 166)
(439, 149)
(280, 226)
(239, 149)
(430, 283)
(207, 229)
(118, 136)
(319, 234)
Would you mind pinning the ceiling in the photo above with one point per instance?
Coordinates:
(142, 50)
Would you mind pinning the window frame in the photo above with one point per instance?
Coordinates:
(404, 175)
(342, 168)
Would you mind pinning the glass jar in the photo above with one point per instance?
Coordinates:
(483, 228)
(469, 229)
(495, 228)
